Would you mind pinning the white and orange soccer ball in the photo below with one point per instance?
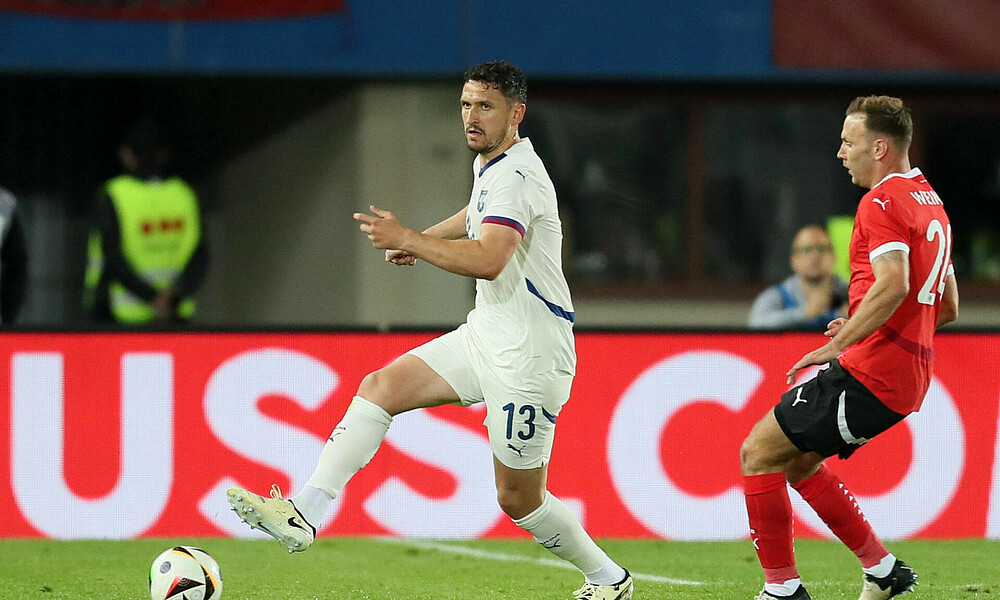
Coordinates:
(185, 573)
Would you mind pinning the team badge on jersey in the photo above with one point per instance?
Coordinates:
(482, 200)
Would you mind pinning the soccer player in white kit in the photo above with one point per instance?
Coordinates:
(515, 352)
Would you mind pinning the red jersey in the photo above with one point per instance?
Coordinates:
(902, 212)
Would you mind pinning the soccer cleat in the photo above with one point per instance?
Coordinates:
(619, 591)
(800, 594)
(274, 516)
(900, 579)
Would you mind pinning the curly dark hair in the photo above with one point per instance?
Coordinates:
(503, 76)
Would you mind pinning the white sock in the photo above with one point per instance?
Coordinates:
(555, 527)
(351, 446)
(312, 503)
(783, 589)
(883, 568)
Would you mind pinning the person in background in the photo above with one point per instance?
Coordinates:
(812, 296)
(13, 260)
(147, 253)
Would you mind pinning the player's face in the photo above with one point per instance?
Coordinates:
(490, 119)
(857, 151)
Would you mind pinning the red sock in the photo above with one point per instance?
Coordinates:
(770, 513)
(835, 504)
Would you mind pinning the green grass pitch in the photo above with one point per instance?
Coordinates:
(375, 569)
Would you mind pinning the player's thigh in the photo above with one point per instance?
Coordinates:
(521, 417)
(437, 372)
(767, 449)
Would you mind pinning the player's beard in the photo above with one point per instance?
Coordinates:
(484, 145)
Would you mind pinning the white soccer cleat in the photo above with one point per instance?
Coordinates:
(274, 516)
(619, 591)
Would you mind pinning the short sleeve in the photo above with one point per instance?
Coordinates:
(509, 201)
(883, 226)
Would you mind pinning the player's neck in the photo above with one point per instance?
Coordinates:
(508, 143)
(900, 164)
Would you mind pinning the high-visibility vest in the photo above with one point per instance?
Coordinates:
(160, 227)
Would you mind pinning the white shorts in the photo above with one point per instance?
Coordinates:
(520, 415)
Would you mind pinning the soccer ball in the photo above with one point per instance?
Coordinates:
(185, 573)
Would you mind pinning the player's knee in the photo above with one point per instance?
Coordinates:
(750, 456)
(377, 387)
(518, 503)
(803, 467)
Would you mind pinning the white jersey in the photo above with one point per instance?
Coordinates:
(523, 320)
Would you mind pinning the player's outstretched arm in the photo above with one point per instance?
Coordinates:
(892, 284)
(452, 228)
(483, 258)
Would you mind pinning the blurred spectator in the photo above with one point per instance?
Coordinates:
(809, 299)
(13, 259)
(146, 253)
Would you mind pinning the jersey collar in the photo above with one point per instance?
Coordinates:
(908, 175)
(492, 162)
(524, 144)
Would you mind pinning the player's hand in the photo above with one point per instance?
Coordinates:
(401, 258)
(820, 356)
(833, 327)
(382, 228)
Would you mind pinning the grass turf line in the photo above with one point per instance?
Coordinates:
(371, 569)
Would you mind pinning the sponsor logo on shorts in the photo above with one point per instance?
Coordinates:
(519, 451)
(799, 398)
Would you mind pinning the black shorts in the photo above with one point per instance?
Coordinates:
(832, 414)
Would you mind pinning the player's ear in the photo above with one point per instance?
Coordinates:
(881, 148)
(518, 115)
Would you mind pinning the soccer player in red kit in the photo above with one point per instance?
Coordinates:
(881, 358)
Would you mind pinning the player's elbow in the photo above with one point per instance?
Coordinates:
(491, 264)
(897, 289)
(490, 272)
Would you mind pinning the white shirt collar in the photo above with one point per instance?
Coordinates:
(908, 175)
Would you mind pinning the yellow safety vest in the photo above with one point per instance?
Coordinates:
(160, 227)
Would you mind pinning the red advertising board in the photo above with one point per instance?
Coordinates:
(129, 435)
(921, 35)
(187, 10)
